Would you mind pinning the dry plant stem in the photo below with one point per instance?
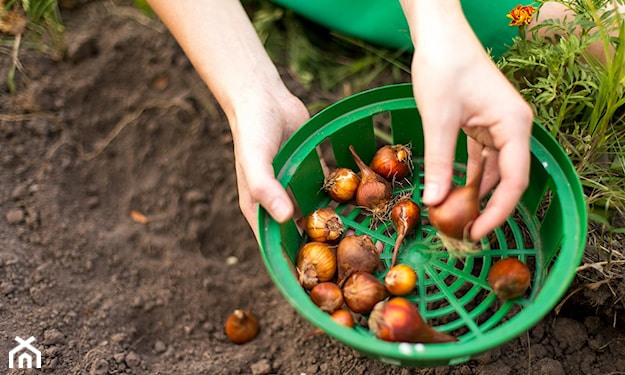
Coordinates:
(398, 242)
(15, 63)
(131, 117)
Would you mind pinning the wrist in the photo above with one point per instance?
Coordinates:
(434, 20)
(249, 94)
(266, 111)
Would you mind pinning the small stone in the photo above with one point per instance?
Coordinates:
(548, 366)
(159, 346)
(194, 196)
(20, 191)
(15, 216)
(232, 260)
(312, 369)
(119, 357)
(53, 337)
(92, 202)
(7, 287)
(262, 367)
(132, 360)
(99, 367)
(52, 352)
(119, 337)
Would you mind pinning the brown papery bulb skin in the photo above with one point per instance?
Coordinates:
(241, 326)
(509, 278)
(341, 184)
(454, 216)
(393, 162)
(362, 291)
(405, 215)
(398, 320)
(315, 263)
(328, 296)
(323, 225)
(343, 317)
(374, 191)
(356, 253)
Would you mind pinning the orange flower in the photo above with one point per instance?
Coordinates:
(521, 15)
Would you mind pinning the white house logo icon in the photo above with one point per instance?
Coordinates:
(25, 360)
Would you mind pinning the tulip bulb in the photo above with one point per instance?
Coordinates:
(315, 262)
(362, 291)
(341, 184)
(241, 326)
(374, 192)
(398, 320)
(454, 216)
(400, 279)
(328, 296)
(356, 253)
(509, 278)
(323, 225)
(393, 162)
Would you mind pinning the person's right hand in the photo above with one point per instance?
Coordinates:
(457, 86)
(259, 128)
(221, 42)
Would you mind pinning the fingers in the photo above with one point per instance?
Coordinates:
(490, 176)
(514, 163)
(440, 136)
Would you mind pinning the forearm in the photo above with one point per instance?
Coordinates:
(425, 14)
(438, 24)
(224, 48)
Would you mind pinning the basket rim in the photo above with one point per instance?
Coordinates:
(543, 146)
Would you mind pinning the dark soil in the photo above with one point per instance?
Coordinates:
(121, 123)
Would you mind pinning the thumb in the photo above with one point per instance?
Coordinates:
(257, 185)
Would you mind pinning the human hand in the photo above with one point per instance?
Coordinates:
(221, 42)
(457, 86)
(259, 128)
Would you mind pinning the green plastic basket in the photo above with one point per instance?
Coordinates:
(547, 231)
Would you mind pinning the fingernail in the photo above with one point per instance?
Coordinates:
(430, 193)
(280, 210)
